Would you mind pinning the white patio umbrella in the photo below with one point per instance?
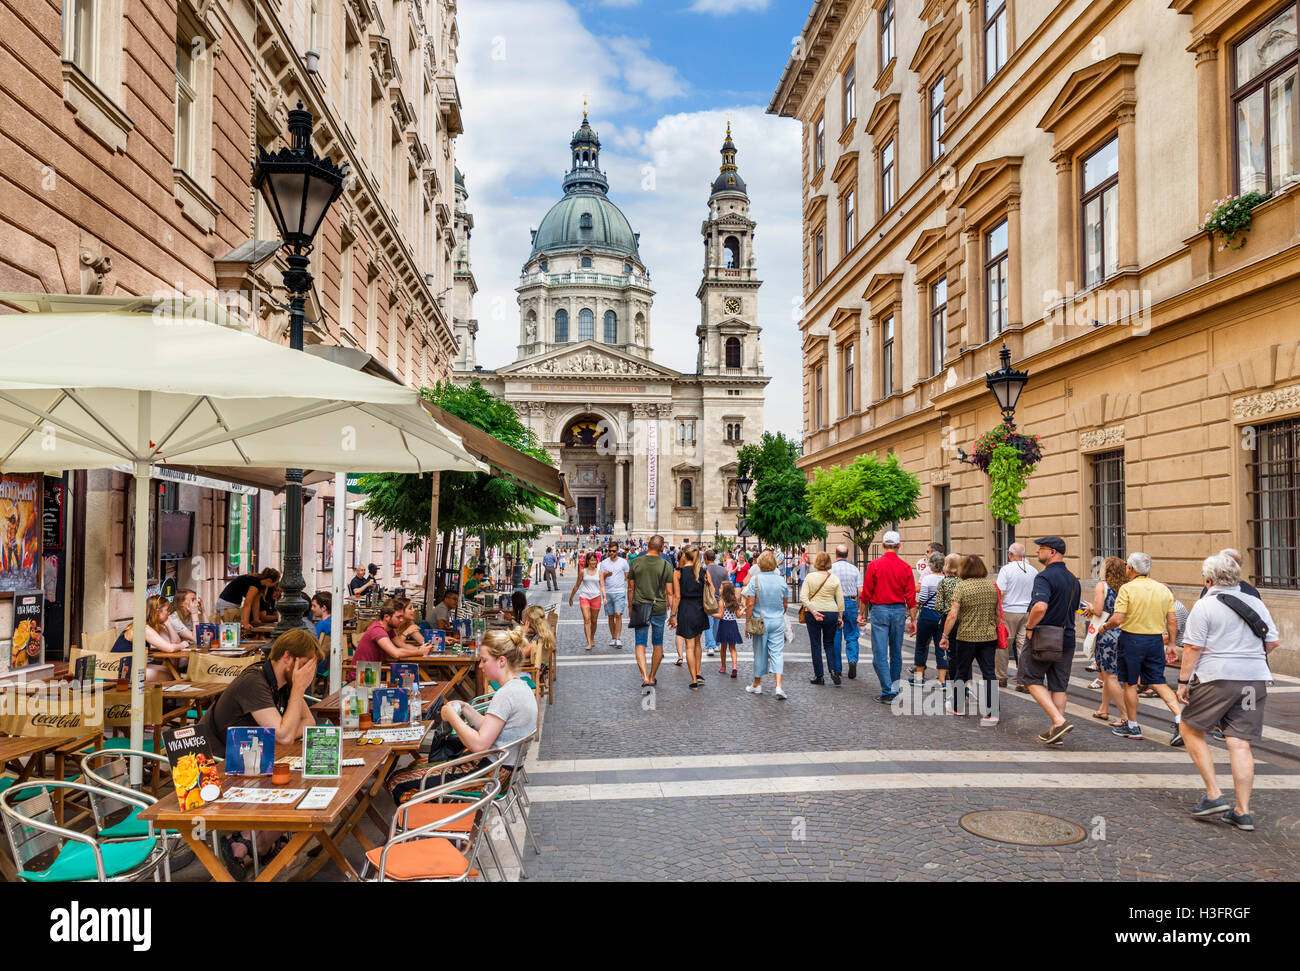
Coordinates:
(85, 390)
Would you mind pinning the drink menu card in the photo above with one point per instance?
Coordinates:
(250, 751)
(230, 636)
(322, 752)
(390, 706)
(404, 673)
(368, 673)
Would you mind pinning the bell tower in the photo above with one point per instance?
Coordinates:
(728, 292)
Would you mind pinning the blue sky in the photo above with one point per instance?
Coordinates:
(661, 80)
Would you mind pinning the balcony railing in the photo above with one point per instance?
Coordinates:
(578, 276)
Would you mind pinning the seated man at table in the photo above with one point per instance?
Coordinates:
(475, 584)
(377, 643)
(360, 585)
(445, 612)
(269, 694)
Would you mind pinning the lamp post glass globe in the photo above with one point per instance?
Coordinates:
(299, 187)
(1007, 383)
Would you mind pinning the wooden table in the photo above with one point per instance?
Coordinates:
(199, 696)
(329, 826)
(331, 705)
(456, 668)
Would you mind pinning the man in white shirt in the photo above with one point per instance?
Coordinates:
(850, 578)
(1016, 583)
(1226, 684)
(614, 569)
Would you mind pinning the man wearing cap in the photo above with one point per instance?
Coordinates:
(1052, 603)
(889, 597)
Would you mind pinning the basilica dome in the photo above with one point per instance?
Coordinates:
(585, 218)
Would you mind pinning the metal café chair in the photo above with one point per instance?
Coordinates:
(435, 852)
(49, 853)
(513, 797)
(109, 769)
(421, 811)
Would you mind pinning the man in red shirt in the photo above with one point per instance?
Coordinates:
(889, 598)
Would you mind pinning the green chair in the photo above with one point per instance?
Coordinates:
(117, 818)
(49, 853)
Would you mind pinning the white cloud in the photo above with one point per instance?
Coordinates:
(520, 110)
(643, 73)
(721, 8)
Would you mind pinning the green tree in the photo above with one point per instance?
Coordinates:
(400, 502)
(864, 496)
(778, 513)
(772, 453)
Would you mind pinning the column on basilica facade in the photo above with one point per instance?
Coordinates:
(620, 473)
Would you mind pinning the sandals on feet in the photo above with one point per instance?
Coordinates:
(240, 867)
(1102, 715)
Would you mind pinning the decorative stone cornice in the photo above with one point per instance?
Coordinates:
(1267, 402)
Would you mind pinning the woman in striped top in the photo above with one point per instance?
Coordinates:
(929, 622)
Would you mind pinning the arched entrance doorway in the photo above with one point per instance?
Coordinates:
(587, 444)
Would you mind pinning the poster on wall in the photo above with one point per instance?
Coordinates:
(20, 530)
(28, 648)
(52, 516)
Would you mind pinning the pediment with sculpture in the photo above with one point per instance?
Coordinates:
(588, 358)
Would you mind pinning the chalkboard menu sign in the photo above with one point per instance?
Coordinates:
(52, 515)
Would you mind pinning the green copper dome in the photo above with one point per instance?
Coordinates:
(585, 218)
(564, 228)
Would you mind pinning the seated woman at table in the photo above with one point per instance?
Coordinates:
(269, 694)
(245, 594)
(185, 613)
(518, 604)
(408, 629)
(510, 717)
(539, 642)
(156, 634)
(267, 611)
(378, 642)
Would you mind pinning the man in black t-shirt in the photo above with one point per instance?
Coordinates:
(360, 585)
(1052, 604)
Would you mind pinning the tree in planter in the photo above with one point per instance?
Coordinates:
(864, 496)
(401, 502)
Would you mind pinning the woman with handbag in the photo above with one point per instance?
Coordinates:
(821, 609)
(766, 597)
(973, 619)
(929, 621)
(1105, 648)
(690, 618)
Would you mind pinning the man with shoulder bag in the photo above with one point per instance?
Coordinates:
(1225, 684)
(651, 593)
(1044, 665)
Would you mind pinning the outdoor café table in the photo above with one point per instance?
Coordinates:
(169, 659)
(14, 749)
(191, 696)
(357, 787)
(330, 706)
(456, 668)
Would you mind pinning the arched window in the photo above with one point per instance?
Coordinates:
(584, 221)
(561, 326)
(732, 256)
(687, 497)
(733, 352)
(586, 325)
(611, 327)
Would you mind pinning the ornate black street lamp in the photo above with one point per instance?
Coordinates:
(1006, 383)
(743, 483)
(299, 187)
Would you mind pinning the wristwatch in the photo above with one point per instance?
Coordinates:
(1181, 681)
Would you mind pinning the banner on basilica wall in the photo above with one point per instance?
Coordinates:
(652, 491)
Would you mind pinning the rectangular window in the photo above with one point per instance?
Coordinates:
(936, 120)
(185, 98)
(1275, 504)
(943, 514)
(1107, 504)
(1266, 105)
(888, 193)
(1004, 534)
(345, 287)
(819, 257)
(819, 411)
(887, 357)
(848, 379)
(850, 101)
(995, 37)
(938, 324)
(887, 33)
(819, 144)
(1100, 221)
(850, 222)
(79, 34)
(352, 73)
(995, 279)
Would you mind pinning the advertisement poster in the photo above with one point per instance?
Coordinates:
(52, 515)
(27, 646)
(652, 472)
(327, 537)
(20, 531)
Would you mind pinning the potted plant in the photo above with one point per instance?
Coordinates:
(1008, 458)
(1229, 220)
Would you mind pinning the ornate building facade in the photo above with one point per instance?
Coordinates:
(1038, 176)
(644, 448)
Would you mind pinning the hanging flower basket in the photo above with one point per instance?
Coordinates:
(1029, 447)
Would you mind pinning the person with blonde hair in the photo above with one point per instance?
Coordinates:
(767, 596)
(156, 634)
(539, 646)
(822, 599)
(185, 614)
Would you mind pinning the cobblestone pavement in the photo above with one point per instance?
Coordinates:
(718, 784)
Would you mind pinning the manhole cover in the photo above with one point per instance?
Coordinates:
(1022, 828)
